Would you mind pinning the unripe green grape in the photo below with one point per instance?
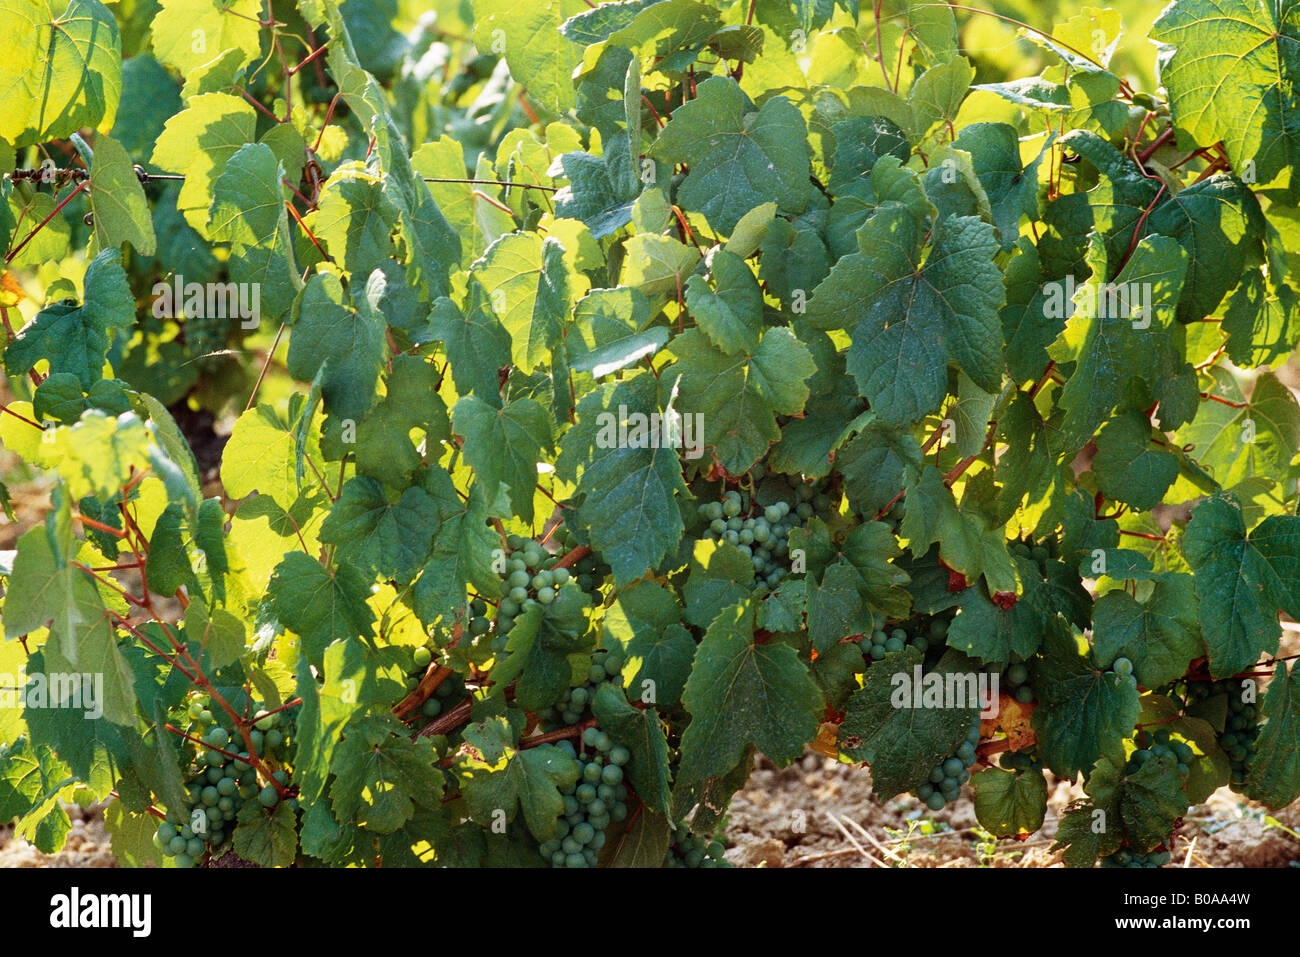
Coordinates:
(268, 797)
(422, 657)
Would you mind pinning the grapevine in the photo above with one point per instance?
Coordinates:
(471, 437)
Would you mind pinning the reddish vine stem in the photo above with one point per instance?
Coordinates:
(434, 676)
(203, 744)
(81, 187)
(1148, 536)
(560, 734)
(1155, 144)
(1042, 380)
(509, 184)
(1222, 401)
(107, 529)
(453, 719)
(21, 418)
(311, 57)
(573, 556)
(262, 374)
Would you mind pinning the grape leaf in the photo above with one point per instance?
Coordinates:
(320, 606)
(75, 338)
(1008, 804)
(1274, 776)
(504, 445)
(738, 397)
(948, 307)
(1241, 580)
(497, 778)
(121, 212)
(738, 159)
(63, 68)
(347, 335)
(744, 691)
(1160, 635)
(1226, 54)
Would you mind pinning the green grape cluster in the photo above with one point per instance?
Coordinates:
(1124, 667)
(569, 710)
(1016, 678)
(1124, 857)
(592, 803)
(531, 577)
(453, 688)
(1241, 725)
(1240, 729)
(217, 785)
(1040, 553)
(762, 533)
(1164, 749)
(1239, 737)
(923, 637)
(687, 849)
(947, 777)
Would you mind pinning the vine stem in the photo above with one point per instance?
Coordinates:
(21, 418)
(559, 734)
(265, 365)
(1155, 144)
(453, 719)
(960, 468)
(434, 676)
(492, 182)
(1222, 401)
(573, 556)
(81, 187)
(1148, 536)
(1043, 379)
